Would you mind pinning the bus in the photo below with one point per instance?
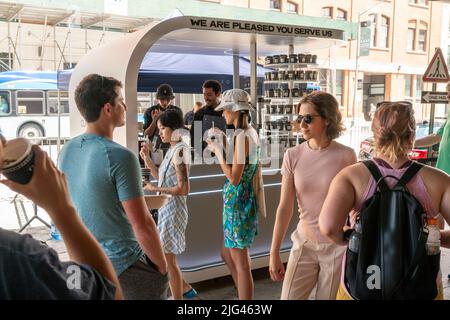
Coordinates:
(31, 105)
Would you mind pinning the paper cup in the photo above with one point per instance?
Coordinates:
(18, 160)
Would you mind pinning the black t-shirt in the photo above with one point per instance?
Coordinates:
(155, 138)
(208, 116)
(29, 270)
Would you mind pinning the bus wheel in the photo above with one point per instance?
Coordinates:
(31, 131)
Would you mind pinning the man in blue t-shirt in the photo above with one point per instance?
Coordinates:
(29, 270)
(105, 184)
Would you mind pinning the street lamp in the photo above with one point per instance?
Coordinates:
(357, 60)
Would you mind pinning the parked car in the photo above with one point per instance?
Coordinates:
(367, 147)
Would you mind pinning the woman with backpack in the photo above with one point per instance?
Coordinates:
(240, 211)
(307, 171)
(173, 179)
(355, 189)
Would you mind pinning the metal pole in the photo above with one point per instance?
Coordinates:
(355, 89)
(253, 75)
(236, 75)
(431, 124)
(9, 47)
(54, 48)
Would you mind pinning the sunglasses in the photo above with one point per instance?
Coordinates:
(308, 118)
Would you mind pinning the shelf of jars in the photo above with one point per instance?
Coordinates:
(291, 76)
(294, 59)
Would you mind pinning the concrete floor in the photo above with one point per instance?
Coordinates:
(223, 288)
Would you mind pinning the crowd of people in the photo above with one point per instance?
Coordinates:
(96, 198)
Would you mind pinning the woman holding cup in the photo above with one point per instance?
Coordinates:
(173, 179)
(240, 219)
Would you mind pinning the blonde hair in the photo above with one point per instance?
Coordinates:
(394, 129)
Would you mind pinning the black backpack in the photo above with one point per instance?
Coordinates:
(392, 262)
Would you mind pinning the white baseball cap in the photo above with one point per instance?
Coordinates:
(234, 100)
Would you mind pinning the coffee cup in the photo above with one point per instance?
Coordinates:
(18, 160)
(157, 157)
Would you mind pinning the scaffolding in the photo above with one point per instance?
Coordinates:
(50, 21)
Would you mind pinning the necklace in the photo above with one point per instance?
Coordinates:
(309, 146)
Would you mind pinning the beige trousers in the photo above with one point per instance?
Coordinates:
(310, 264)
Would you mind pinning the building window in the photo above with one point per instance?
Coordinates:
(411, 39)
(327, 12)
(373, 30)
(408, 85)
(275, 4)
(292, 7)
(417, 35)
(422, 43)
(384, 32)
(418, 86)
(341, 15)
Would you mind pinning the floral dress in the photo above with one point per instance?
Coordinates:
(240, 215)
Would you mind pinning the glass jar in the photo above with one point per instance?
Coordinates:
(295, 94)
(269, 60)
(288, 107)
(274, 75)
(293, 58)
(276, 59)
(308, 58)
(286, 93)
(282, 75)
(301, 58)
(273, 108)
(283, 58)
(314, 59)
(291, 75)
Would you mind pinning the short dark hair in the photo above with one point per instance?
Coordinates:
(328, 108)
(93, 92)
(171, 118)
(213, 84)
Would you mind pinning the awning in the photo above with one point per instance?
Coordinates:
(184, 72)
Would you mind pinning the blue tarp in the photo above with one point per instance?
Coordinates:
(184, 72)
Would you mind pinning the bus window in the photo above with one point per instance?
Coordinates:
(52, 102)
(5, 103)
(30, 102)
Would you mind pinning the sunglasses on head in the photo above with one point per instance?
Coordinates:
(308, 118)
(389, 103)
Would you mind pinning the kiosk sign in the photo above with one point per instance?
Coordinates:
(263, 28)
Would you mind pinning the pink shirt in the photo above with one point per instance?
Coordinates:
(313, 171)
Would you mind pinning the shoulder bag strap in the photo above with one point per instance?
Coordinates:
(410, 173)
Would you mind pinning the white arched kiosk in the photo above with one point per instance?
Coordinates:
(187, 34)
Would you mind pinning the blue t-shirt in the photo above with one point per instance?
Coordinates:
(101, 174)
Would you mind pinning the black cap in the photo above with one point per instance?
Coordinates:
(164, 91)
